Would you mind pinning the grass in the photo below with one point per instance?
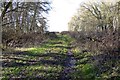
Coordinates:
(33, 71)
(45, 61)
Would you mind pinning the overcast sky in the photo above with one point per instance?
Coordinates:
(62, 12)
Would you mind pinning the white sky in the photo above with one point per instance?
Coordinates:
(61, 14)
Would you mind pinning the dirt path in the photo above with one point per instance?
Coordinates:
(69, 66)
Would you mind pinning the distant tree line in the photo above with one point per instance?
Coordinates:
(96, 16)
(23, 18)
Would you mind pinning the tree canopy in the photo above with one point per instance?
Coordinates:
(24, 16)
(96, 16)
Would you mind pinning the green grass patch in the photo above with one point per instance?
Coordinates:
(32, 71)
(84, 72)
(45, 61)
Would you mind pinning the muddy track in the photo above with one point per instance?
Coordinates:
(69, 64)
